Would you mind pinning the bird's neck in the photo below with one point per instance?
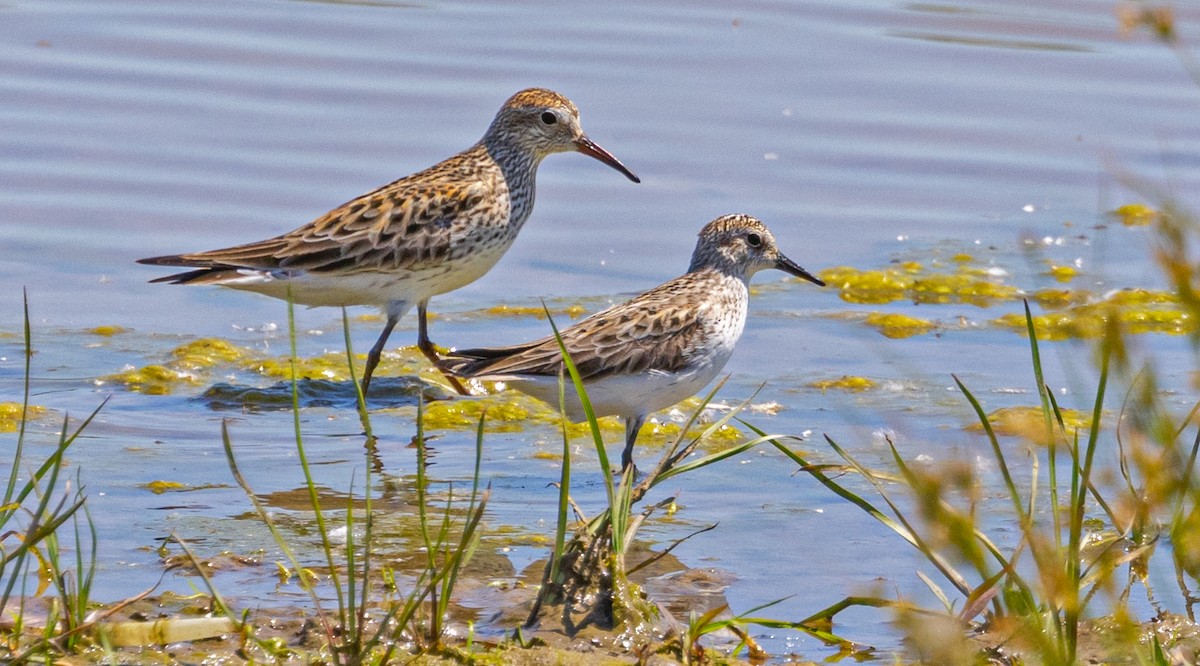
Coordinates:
(725, 270)
(518, 169)
(518, 164)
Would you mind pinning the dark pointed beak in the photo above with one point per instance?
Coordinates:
(592, 149)
(788, 266)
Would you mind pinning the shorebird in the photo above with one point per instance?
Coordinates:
(422, 235)
(654, 350)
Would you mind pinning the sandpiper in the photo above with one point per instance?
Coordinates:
(650, 352)
(420, 236)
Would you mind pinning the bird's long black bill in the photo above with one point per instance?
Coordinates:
(788, 266)
(592, 149)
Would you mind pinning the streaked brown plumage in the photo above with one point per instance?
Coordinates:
(412, 239)
(654, 350)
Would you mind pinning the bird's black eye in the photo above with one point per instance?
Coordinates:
(754, 239)
(549, 118)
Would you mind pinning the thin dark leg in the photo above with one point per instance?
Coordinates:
(376, 351)
(427, 348)
(632, 426)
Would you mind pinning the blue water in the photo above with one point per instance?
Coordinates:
(859, 132)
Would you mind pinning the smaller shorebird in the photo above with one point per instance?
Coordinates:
(420, 236)
(650, 352)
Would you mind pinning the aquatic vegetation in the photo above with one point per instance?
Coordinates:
(843, 383)
(1135, 214)
(1060, 298)
(1137, 311)
(915, 282)
(13, 414)
(895, 325)
(330, 366)
(870, 286)
(503, 414)
(363, 628)
(963, 287)
(206, 353)
(189, 362)
(511, 411)
(1030, 422)
(537, 312)
(151, 379)
(659, 433)
(159, 487)
(1062, 273)
(588, 576)
(108, 331)
(1071, 565)
(42, 520)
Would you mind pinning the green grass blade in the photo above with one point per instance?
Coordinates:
(360, 399)
(280, 540)
(718, 456)
(996, 451)
(564, 495)
(309, 483)
(593, 424)
(15, 472)
(834, 486)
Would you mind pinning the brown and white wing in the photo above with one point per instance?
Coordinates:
(406, 224)
(656, 331)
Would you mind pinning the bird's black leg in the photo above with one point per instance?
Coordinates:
(632, 426)
(377, 351)
(427, 348)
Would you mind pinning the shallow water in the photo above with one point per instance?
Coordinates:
(862, 133)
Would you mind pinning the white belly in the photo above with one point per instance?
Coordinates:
(626, 395)
(378, 288)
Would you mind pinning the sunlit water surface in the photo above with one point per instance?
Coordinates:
(862, 133)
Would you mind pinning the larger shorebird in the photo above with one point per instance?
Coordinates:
(650, 352)
(420, 236)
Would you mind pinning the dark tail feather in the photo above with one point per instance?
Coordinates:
(216, 275)
(184, 278)
(175, 260)
(468, 363)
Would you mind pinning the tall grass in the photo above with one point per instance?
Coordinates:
(37, 504)
(367, 623)
(1081, 546)
(587, 574)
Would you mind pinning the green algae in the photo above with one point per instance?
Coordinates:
(870, 286)
(571, 311)
(512, 411)
(159, 487)
(108, 331)
(1030, 423)
(13, 413)
(850, 383)
(1135, 214)
(1135, 311)
(898, 326)
(915, 282)
(1062, 273)
(151, 379)
(206, 353)
(188, 362)
(667, 431)
(504, 413)
(963, 287)
(331, 366)
(1061, 298)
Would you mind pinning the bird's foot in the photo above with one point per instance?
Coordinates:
(430, 351)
